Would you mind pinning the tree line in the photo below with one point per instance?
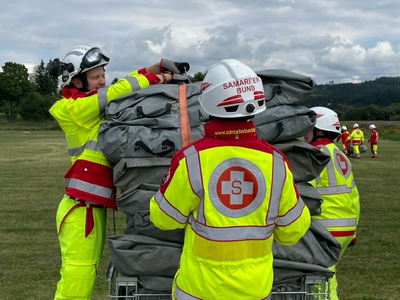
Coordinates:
(377, 99)
(31, 95)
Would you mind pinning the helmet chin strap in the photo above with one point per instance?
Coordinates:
(85, 84)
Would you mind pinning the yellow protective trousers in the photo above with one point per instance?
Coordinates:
(80, 255)
(344, 241)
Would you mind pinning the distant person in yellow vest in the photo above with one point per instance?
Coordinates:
(340, 208)
(232, 193)
(356, 138)
(373, 141)
(89, 189)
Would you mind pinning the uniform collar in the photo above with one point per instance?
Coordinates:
(74, 93)
(322, 141)
(230, 129)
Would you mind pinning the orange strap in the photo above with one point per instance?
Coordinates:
(186, 131)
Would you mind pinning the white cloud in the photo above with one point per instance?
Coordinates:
(342, 40)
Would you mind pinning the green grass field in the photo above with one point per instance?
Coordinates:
(32, 166)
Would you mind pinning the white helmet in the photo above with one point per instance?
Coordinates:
(344, 128)
(372, 126)
(231, 89)
(355, 125)
(83, 58)
(327, 119)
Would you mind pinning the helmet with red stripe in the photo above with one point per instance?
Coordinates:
(231, 89)
(327, 119)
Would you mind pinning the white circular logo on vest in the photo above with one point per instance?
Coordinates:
(236, 187)
(341, 163)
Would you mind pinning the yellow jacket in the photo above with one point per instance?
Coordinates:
(356, 136)
(80, 115)
(340, 209)
(233, 194)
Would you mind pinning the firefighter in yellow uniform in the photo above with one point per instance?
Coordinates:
(232, 193)
(81, 214)
(356, 138)
(340, 208)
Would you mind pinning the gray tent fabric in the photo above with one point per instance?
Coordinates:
(284, 122)
(310, 196)
(143, 132)
(140, 224)
(136, 255)
(306, 161)
(290, 87)
(132, 171)
(316, 247)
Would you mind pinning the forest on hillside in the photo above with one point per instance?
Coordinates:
(377, 99)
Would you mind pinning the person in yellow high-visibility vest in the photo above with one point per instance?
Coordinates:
(232, 193)
(356, 138)
(340, 208)
(89, 188)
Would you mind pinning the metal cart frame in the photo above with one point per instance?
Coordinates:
(126, 288)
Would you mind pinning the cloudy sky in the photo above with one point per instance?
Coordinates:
(343, 41)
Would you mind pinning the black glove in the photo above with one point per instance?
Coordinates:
(173, 66)
(179, 78)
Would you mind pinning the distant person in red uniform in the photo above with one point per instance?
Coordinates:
(373, 141)
(343, 136)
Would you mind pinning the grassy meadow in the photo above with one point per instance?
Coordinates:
(32, 165)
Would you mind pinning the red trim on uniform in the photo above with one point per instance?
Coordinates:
(152, 78)
(74, 93)
(343, 233)
(92, 173)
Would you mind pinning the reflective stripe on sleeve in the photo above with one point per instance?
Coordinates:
(167, 208)
(92, 145)
(134, 83)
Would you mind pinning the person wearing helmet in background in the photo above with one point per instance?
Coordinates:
(373, 141)
(231, 192)
(356, 138)
(343, 136)
(89, 188)
(340, 208)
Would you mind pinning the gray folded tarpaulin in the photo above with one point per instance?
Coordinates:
(284, 122)
(305, 160)
(316, 247)
(286, 87)
(310, 196)
(140, 224)
(137, 255)
(132, 171)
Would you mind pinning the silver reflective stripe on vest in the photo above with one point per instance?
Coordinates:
(346, 222)
(169, 209)
(102, 100)
(195, 179)
(278, 178)
(92, 145)
(231, 233)
(333, 190)
(89, 187)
